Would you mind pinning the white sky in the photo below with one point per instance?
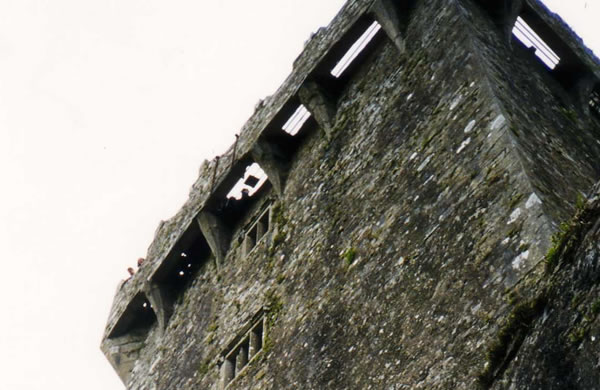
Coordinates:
(107, 109)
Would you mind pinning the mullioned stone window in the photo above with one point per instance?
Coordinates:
(245, 348)
(257, 231)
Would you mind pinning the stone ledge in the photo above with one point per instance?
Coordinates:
(215, 172)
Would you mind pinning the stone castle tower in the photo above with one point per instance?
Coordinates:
(400, 192)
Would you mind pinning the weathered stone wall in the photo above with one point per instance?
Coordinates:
(555, 137)
(400, 235)
(550, 340)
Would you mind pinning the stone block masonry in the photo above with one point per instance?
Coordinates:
(404, 223)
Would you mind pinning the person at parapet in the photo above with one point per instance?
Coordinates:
(140, 261)
(241, 203)
(245, 194)
(131, 272)
(233, 205)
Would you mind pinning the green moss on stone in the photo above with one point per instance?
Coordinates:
(274, 305)
(576, 300)
(560, 244)
(279, 238)
(595, 309)
(203, 368)
(515, 200)
(570, 114)
(279, 215)
(577, 335)
(509, 339)
(348, 256)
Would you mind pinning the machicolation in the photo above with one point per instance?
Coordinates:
(386, 219)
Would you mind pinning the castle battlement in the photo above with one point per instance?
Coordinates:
(409, 171)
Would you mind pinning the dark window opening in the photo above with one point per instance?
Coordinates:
(242, 351)
(136, 320)
(250, 240)
(256, 338)
(263, 224)
(228, 370)
(257, 231)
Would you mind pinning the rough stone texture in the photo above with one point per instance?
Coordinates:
(404, 240)
(559, 347)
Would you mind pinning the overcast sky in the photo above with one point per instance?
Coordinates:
(107, 109)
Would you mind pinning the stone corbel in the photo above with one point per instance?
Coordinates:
(384, 12)
(511, 12)
(160, 303)
(272, 160)
(215, 232)
(319, 104)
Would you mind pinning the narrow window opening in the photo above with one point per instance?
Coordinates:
(595, 102)
(242, 352)
(524, 33)
(361, 43)
(250, 240)
(257, 231)
(262, 226)
(228, 370)
(296, 121)
(256, 339)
